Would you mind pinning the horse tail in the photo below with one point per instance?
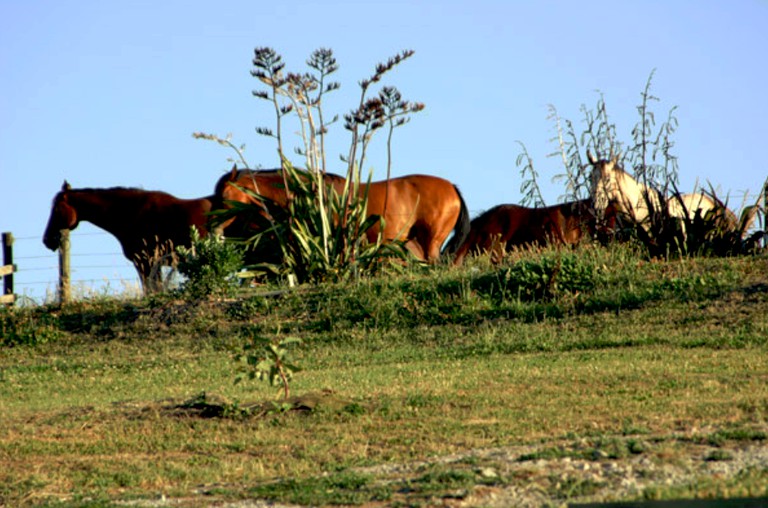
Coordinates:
(460, 229)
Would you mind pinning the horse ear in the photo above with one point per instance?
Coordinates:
(591, 157)
(233, 173)
(65, 186)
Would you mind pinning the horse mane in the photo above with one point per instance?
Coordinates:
(110, 189)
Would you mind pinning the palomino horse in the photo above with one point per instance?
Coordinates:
(419, 210)
(148, 224)
(506, 226)
(689, 205)
(610, 182)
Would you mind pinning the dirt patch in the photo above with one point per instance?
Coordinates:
(531, 476)
(207, 405)
(552, 475)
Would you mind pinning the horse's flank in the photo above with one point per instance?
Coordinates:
(420, 210)
(688, 206)
(506, 226)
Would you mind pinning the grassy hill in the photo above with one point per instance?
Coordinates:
(560, 376)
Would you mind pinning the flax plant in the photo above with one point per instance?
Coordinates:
(322, 233)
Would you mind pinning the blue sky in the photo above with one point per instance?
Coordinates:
(108, 93)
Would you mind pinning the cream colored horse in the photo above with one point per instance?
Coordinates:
(611, 183)
(690, 205)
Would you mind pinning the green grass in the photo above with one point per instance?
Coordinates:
(648, 359)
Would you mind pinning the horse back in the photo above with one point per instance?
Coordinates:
(414, 194)
(511, 225)
(164, 217)
(496, 226)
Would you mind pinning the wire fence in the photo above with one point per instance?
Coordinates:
(98, 267)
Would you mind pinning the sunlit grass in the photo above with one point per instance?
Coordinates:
(91, 407)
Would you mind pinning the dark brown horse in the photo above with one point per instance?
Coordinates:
(507, 226)
(419, 210)
(148, 224)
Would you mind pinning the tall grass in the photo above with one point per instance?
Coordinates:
(647, 154)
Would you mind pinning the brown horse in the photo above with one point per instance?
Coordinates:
(148, 224)
(419, 210)
(506, 226)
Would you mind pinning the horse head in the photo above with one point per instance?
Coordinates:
(610, 183)
(604, 181)
(63, 216)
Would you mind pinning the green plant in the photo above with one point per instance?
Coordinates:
(314, 242)
(27, 327)
(545, 276)
(210, 265)
(322, 233)
(342, 488)
(268, 360)
(529, 187)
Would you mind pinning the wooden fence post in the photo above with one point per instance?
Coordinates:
(64, 272)
(7, 269)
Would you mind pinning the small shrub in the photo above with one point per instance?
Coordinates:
(210, 265)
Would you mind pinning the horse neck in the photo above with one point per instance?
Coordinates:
(104, 208)
(636, 196)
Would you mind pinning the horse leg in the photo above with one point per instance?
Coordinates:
(429, 244)
(144, 278)
(432, 253)
(416, 242)
(435, 234)
(415, 248)
(463, 248)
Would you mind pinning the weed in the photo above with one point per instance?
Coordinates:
(210, 265)
(718, 456)
(268, 360)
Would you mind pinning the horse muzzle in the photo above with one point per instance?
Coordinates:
(52, 241)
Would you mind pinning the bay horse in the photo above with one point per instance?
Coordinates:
(419, 210)
(506, 226)
(148, 224)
